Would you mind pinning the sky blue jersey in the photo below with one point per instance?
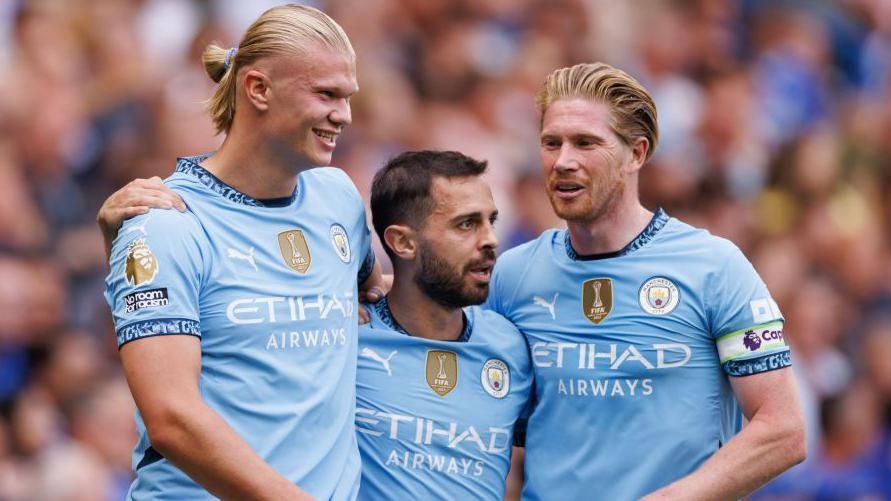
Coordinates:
(270, 288)
(632, 352)
(435, 419)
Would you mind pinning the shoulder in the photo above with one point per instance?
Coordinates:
(522, 254)
(330, 178)
(707, 248)
(542, 242)
(490, 320)
(160, 225)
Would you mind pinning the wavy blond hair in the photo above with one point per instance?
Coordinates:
(633, 108)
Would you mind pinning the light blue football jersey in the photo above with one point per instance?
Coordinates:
(270, 288)
(435, 419)
(632, 352)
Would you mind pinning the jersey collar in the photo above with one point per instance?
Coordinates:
(660, 218)
(190, 166)
(382, 308)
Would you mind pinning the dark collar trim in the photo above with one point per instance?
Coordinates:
(190, 166)
(660, 218)
(382, 308)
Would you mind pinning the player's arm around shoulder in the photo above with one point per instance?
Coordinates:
(749, 340)
(157, 271)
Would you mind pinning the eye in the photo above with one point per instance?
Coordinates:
(550, 144)
(327, 94)
(467, 224)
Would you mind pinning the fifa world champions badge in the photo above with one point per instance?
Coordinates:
(295, 250)
(442, 371)
(141, 266)
(597, 299)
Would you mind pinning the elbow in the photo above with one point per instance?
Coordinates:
(166, 429)
(798, 447)
(793, 445)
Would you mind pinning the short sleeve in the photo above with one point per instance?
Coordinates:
(156, 272)
(745, 320)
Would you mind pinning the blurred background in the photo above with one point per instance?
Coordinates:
(775, 122)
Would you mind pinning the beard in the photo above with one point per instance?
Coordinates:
(445, 285)
(603, 199)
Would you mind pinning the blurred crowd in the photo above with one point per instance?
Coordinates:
(775, 121)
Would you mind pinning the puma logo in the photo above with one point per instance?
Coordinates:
(369, 353)
(237, 254)
(539, 301)
(138, 227)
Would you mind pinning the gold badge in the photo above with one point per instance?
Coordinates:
(442, 371)
(597, 298)
(141, 265)
(295, 250)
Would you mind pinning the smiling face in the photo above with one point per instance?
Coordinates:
(586, 165)
(309, 101)
(456, 247)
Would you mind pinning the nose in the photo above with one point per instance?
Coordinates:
(341, 115)
(488, 239)
(567, 159)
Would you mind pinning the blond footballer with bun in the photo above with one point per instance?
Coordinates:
(239, 342)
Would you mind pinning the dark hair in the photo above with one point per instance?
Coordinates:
(400, 192)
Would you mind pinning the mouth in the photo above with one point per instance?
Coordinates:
(482, 272)
(567, 189)
(328, 138)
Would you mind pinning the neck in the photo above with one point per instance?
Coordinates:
(422, 317)
(251, 164)
(610, 232)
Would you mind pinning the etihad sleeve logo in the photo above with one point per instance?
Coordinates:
(597, 299)
(141, 266)
(295, 250)
(442, 371)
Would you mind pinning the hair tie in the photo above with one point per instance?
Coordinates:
(227, 61)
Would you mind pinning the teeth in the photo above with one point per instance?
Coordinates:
(324, 135)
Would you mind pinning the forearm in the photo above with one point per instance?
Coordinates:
(761, 451)
(206, 448)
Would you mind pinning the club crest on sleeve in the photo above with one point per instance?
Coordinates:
(659, 296)
(495, 378)
(442, 371)
(597, 299)
(341, 242)
(141, 266)
(295, 250)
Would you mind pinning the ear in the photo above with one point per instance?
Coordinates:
(639, 149)
(401, 240)
(256, 86)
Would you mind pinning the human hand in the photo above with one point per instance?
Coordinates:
(136, 198)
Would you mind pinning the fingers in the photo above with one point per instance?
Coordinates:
(151, 187)
(364, 316)
(372, 295)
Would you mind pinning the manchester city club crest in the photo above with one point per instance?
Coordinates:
(442, 371)
(340, 242)
(597, 298)
(659, 296)
(141, 266)
(495, 378)
(295, 250)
